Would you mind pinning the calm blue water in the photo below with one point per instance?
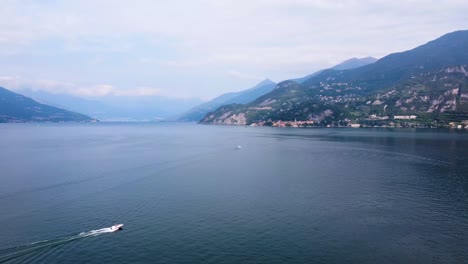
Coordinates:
(186, 194)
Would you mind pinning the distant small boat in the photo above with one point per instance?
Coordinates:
(116, 227)
(239, 147)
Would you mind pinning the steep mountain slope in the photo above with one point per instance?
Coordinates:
(429, 82)
(249, 95)
(354, 63)
(18, 108)
(242, 97)
(446, 51)
(345, 65)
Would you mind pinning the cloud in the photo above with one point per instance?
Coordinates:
(139, 91)
(18, 83)
(92, 24)
(56, 87)
(243, 76)
(204, 39)
(93, 91)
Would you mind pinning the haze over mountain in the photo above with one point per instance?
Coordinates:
(430, 82)
(345, 65)
(354, 63)
(242, 97)
(16, 108)
(118, 108)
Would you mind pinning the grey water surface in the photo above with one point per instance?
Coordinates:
(188, 194)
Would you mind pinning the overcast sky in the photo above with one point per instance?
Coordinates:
(202, 48)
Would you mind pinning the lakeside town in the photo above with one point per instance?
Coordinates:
(398, 121)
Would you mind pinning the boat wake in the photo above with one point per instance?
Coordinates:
(18, 251)
(96, 232)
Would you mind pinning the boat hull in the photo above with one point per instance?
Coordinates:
(116, 227)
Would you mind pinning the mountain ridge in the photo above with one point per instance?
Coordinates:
(345, 65)
(445, 51)
(242, 97)
(265, 86)
(432, 78)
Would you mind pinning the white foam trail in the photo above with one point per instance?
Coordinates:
(96, 232)
(28, 248)
(38, 242)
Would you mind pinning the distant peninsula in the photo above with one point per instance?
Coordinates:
(16, 108)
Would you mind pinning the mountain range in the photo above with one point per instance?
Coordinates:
(426, 85)
(156, 108)
(118, 108)
(243, 97)
(246, 96)
(16, 108)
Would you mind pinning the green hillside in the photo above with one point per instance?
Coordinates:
(425, 86)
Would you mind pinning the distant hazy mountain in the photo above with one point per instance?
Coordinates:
(119, 108)
(354, 63)
(428, 84)
(16, 108)
(147, 108)
(345, 65)
(242, 97)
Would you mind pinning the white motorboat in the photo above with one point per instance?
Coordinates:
(116, 227)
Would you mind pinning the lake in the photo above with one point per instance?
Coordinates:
(190, 193)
